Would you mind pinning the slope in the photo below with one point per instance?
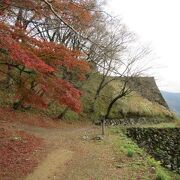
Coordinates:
(144, 104)
(173, 100)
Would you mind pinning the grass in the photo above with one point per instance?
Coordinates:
(163, 125)
(136, 160)
(132, 104)
(130, 152)
(173, 124)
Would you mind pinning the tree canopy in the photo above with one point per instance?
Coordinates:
(32, 61)
(48, 48)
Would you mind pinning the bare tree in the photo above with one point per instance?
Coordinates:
(120, 56)
(132, 66)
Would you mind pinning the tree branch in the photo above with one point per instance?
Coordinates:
(69, 26)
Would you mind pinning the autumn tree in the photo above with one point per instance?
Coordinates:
(35, 64)
(46, 47)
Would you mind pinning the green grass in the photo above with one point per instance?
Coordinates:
(136, 160)
(130, 152)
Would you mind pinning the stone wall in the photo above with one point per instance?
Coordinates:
(163, 144)
(136, 120)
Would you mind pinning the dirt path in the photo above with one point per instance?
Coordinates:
(73, 155)
(53, 163)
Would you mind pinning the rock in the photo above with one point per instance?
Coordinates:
(168, 166)
(16, 138)
(153, 170)
(119, 166)
(85, 137)
(98, 138)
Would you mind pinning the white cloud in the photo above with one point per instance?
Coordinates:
(157, 22)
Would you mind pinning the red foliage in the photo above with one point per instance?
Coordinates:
(8, 115)
(16, 152)
(58, 55)
(62, 91)
(75, 13)
(38, 63)
(44, 58)
(19, 54)
(4, 4)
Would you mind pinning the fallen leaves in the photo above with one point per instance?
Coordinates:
(17, 152)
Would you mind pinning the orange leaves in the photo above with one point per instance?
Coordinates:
(16, 151)
(58, 55)
(30, 61)
(74, 13)
(19, 55)
(61, 91)
(3, 5)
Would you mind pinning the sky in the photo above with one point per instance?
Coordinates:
(156, 22)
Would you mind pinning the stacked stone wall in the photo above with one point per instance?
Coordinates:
(163, 144)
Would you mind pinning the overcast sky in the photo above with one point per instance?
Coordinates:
(156, 22)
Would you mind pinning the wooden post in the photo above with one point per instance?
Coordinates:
(103, 126)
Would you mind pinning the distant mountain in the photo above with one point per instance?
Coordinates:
(173, 101)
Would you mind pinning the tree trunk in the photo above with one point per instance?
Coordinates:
(8, 78)
(112, 103)
(63, 113)
(17, 105)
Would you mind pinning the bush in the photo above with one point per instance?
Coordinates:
(130, 153)
(161, 176)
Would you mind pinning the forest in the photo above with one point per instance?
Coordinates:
(49, 49)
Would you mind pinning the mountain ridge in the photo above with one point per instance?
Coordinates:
(172, 99)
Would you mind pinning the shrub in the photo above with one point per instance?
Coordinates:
(161, 176)
(130, 153)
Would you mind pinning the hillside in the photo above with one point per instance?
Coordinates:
(173, 100)
(145, 101)
(34, 145)
(147, 88)
(142, 102)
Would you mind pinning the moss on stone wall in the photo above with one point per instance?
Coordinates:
(162, 143)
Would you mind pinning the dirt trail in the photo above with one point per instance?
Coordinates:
(51, 165)
(73, 155)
